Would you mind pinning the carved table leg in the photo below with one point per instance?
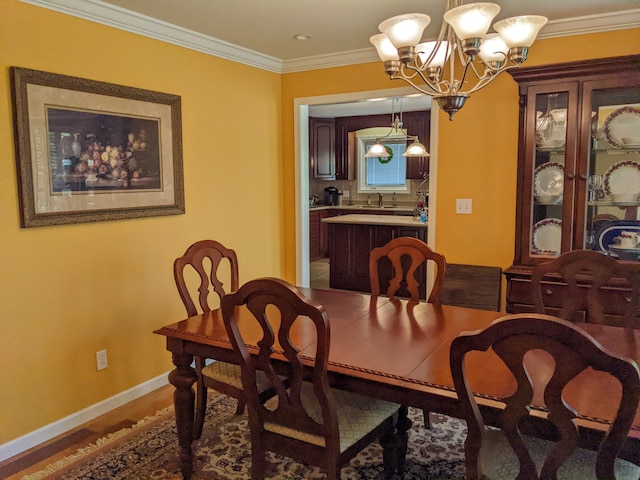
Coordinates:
(402, 427)
(183, 377)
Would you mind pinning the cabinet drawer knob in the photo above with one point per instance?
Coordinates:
(628, 299)
(548, 291)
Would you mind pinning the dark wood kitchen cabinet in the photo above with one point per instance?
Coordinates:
(349, 249)
(571, 165)
(324, 231)
(418, 123)
(318, 236)
(314, 236)
(322, 148)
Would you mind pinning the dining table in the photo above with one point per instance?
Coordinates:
(398, 350)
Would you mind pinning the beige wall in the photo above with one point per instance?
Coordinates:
(69, 291)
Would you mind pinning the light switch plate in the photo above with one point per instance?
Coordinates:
(463, 206)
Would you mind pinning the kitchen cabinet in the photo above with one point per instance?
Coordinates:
(322, 148)
(318, 230)
(314, 236)
(350, 245)
(318, 238)
(418, 124)
(324, 236)
(577, 179)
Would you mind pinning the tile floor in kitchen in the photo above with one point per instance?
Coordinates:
(319, 273)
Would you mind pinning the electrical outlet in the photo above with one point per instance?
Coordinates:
(463, 206)
(101, 359)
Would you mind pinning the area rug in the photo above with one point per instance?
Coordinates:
(149, 451)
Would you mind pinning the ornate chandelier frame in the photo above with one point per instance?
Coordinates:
(463, 43)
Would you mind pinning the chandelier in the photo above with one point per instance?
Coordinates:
(463, 59)
(380, 151)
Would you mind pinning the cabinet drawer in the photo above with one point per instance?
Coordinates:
(520, 291)
(615, 300)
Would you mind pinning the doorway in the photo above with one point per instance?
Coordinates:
(302, 107)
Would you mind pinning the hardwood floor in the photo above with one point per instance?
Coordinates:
(42, 455)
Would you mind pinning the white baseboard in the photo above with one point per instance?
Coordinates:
(32, 439)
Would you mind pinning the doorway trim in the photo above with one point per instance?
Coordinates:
(301, 147)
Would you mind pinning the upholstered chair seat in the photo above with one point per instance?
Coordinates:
(499, 461)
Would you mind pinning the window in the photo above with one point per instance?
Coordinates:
(388, 175)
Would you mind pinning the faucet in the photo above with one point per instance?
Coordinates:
(380, 199)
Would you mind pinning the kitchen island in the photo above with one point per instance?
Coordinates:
(351, 239)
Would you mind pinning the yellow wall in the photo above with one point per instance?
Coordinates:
(69, 291)
(477, 151)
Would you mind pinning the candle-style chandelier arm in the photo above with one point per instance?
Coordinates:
(432, 88)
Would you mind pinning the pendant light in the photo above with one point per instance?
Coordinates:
(379, 150)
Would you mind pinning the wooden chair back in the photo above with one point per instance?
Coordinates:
(205, 257)
(585, 273)
(419, 253)
(573, 351)
(277, 339)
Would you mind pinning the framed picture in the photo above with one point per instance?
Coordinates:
(91, 151)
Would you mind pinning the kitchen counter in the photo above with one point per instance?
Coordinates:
(351, 238)
(368, 219)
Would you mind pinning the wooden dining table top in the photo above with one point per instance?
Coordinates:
(399, 350)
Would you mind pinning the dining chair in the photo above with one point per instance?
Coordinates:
(585, 273)
(309, 421)
(206, 257)
(418, 254)
(504, 453)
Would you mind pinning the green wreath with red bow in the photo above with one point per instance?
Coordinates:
(389, 158)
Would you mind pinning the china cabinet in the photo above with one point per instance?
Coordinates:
(578, 168)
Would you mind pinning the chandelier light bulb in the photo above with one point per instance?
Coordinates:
(386, 50)
(424, 51)
(473, 20)
(405, 30)
(493, 48)
(520, 31)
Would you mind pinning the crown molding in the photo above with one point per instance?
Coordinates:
(604, 22)
(120, 18)
(110, 15)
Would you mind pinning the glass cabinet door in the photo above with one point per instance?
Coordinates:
(551, 146)
(612, 170)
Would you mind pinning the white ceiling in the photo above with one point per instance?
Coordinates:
(338, 28)
(261, 32)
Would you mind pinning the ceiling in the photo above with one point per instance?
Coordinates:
(336, 26)
(261, 33)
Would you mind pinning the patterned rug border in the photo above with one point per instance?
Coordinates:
(148, 450)
(85, 454)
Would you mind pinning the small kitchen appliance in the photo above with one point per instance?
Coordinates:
(331, 196)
